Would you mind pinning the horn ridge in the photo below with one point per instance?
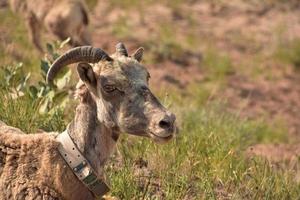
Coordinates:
(78, 54)
(121, 49)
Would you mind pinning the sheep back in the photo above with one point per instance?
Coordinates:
(32, 168)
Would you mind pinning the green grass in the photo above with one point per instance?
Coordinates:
(206, 161)
(121, 28)
(92, 4)
(23, 113)
(125, 4)
(289, 53)
(15, 46)
(217, 65)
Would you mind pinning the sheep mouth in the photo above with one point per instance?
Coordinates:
(155, 137)
(160, 138)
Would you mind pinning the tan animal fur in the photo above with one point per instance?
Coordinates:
(62, 18)
(114, 98)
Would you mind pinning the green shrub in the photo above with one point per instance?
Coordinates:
(34, 106)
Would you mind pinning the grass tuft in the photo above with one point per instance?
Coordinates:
(290, 53)
(217, 65)
(205, 161)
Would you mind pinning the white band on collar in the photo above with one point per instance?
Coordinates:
(80, 166)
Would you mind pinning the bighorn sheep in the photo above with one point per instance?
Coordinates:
(62, 18)
(114, 98)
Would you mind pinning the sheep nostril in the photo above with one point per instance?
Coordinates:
(164, 124)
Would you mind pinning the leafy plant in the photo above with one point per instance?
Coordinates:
(39, 103)
(16, 82)
(52, 95)
(14, 79)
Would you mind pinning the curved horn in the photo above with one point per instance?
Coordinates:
(121, 49)
(79, 54)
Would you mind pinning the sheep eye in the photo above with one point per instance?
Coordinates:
(109, 88)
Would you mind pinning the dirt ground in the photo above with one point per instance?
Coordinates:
(244, 30)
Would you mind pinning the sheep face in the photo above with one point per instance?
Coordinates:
(124, 100)
(119, 87)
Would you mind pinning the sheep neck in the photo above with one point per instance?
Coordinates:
(95, 140)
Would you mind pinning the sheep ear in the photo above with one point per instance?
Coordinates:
(87, 75)
(138, 54)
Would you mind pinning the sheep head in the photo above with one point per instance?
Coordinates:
(118, 85)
